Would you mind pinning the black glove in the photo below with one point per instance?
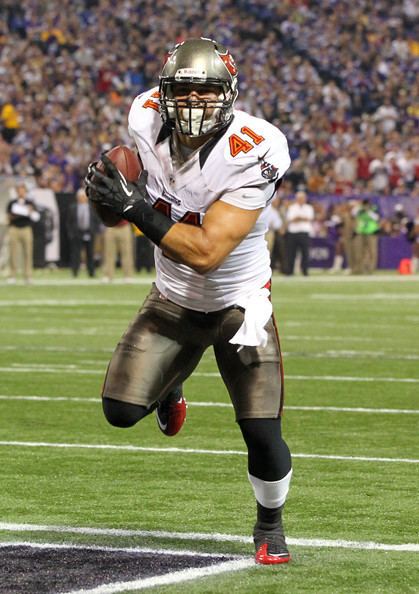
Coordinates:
(127, 199)
(112, 189)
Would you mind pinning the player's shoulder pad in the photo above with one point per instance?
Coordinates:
(145, 111)
(252, 152)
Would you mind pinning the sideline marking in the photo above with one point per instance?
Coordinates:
(223, 405)
(132, 448)
(203, 536)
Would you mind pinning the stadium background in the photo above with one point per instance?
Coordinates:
(322, 71)
(339, 78)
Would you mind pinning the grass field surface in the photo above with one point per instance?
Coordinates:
(351, 357)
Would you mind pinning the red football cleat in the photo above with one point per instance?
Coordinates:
(265, 557)
(270, 545)
(171, 412)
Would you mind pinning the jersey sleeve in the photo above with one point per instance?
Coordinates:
(143, 116)
(249, 198)
(256, 157)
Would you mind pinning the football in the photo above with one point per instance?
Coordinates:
(130, 166)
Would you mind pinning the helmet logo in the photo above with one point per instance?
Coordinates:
(229, 63)
(188, 73)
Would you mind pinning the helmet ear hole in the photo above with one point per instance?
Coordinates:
(204, 63)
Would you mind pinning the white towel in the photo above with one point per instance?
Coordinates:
(257, 311)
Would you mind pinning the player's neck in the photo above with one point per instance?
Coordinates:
(191, 141)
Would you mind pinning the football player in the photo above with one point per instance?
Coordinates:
(210, 171)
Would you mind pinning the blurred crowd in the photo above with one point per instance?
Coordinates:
(351, 228)
(340, 78)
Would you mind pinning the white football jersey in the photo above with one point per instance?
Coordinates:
(239, 165)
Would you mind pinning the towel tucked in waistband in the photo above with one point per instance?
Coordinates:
(257, 311)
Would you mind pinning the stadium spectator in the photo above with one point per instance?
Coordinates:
(144, 252)
(367, 227)
(9, 118)
(300, 218)
(118, 243)
(335, 224)
(22, 213)
(278, 230)
(397, 223)
(211, 176)
(82, 227)
(329, 83)
(379, 180)
(345, 170)
(274, 225)
(341, 225)
(413, 237)
(5, 151)
(386, 117)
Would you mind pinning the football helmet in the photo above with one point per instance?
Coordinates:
(198, 87)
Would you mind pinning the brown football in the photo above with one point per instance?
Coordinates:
(130, 166)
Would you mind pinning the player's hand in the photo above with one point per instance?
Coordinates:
(89, 176)
(112, 189)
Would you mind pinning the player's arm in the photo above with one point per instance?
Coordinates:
(204, 248)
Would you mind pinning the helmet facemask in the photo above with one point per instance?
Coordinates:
(198, 87)
(197, 116)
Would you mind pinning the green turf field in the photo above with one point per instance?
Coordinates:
(351, 356)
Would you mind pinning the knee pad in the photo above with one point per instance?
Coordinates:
(123, 414)
(269, 457)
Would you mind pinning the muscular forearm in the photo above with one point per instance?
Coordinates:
(183, 243)
(205, 247)
(191, 246)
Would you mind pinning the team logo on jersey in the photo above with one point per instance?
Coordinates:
(172, 198)
(269, 171)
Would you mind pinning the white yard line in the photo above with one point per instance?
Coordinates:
(50, 398)
(42, 282)
(175, 577)
(108, 331)
(350, 354)
(205, 537)
(349, 409)
(278, 280)
(391, 411)
(49, 369)
(84, 547)
(348, 378)
(75, 369)
(54, 348)
(132, 448)
(329, 354)
(387, 296)
(65, 302)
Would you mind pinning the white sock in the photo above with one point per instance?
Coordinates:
(271, 494)
(415, 265)
(337, 264)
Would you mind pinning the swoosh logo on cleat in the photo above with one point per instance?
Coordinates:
(163, 426)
